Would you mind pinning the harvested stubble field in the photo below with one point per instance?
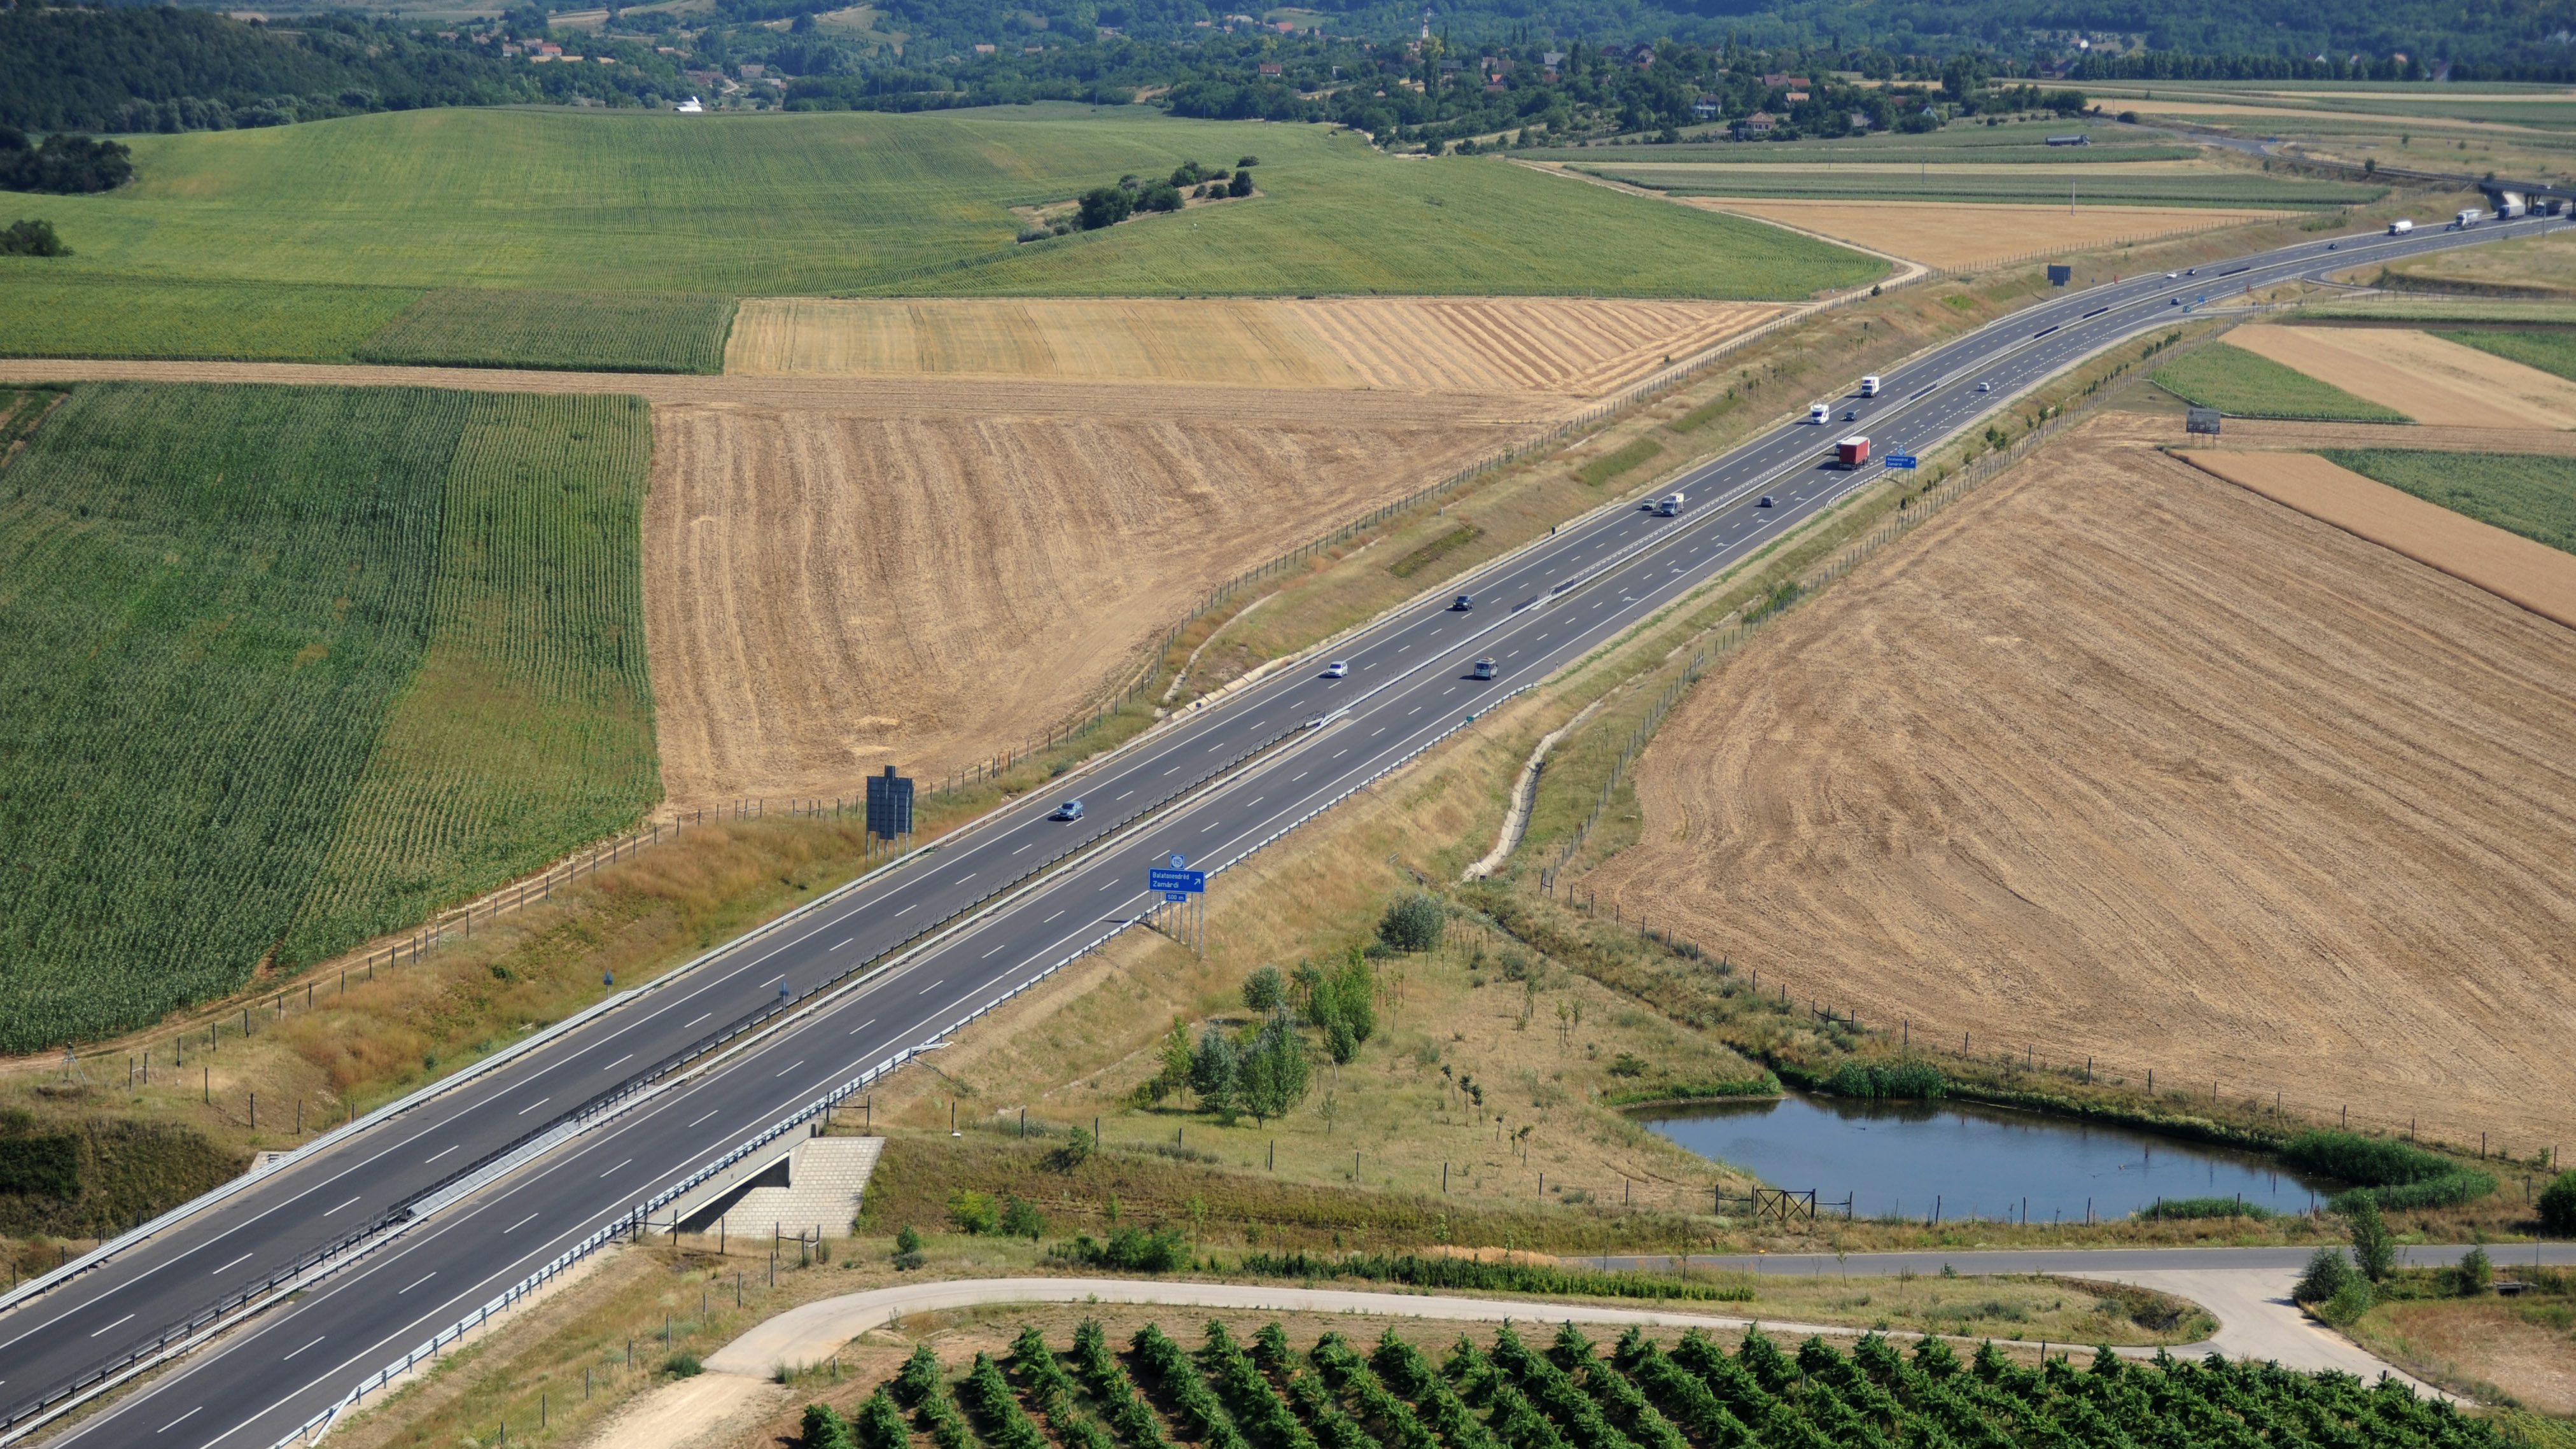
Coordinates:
(1962, 234)
(2540, 264)
(832, 593)
(2534, 575)
(2418, 374)
(2120, 760)
(1413, 344)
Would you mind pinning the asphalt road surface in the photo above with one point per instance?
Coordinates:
(1320, 738)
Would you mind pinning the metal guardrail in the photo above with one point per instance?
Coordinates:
(635, 1220)
(592, 1112)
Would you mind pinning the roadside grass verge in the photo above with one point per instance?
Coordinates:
(2520, 493)
(2242, 384)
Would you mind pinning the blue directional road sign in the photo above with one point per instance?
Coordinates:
(1900, 460)
(1174, 898)
(1176, 883)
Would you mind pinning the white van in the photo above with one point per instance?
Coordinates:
(2400, 228)
(1869, 387)
(1671, 507)
(1819, 414)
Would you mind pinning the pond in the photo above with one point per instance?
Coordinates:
(1912, 1159)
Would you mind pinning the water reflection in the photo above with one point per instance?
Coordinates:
(1909, 1159)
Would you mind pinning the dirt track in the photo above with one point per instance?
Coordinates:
(829, 594)
(2124, 761)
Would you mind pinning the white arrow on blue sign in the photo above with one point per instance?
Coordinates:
(1175, 883)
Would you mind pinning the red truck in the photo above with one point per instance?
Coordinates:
(1853, 451)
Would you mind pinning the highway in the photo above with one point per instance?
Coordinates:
(1288, 747)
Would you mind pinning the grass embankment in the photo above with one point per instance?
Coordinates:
(2511, 1352)
(295, 665)
(2242, 384)
(2531, 496)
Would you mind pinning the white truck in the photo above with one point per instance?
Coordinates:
(1671, 507)
(1869, 386)
(2512, 206)
(2470, 217)
(2400, 228)
(1819, 414)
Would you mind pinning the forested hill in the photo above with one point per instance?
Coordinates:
(166, 69)
(2487, 38)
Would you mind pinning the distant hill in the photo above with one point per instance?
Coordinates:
(166, 69)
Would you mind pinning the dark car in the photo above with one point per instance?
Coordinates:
(1069, 810)
(1463, 602)
(1766, 502)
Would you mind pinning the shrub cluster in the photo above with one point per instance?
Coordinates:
(2392, 1175)
(1533, 1278)
(66, 164)
(1129, 1250)
(32, 239)
(2183, 1209)
(2558, 1207)
(1900, 1081)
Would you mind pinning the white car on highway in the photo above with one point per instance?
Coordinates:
(1338, 669)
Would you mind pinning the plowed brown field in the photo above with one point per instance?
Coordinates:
(1556, 345)
(828, 593)
(1968, 234)
(2119, 760)
(2425, 377)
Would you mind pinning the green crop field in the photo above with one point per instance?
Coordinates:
(291, 664)
(757, 205)
(1964, 142)
(2144, 188)
(1561, 1391)
(2552, 351)
(48, 311)
(2242, 384)
(576, 331)
(2520, 493)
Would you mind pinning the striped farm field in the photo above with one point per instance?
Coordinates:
(1573, 346)
(48, 312)
(289, 663)
(560, 331)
